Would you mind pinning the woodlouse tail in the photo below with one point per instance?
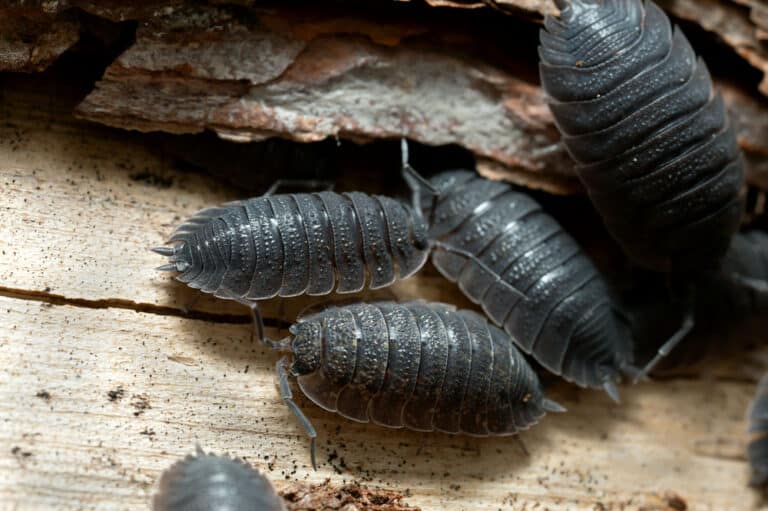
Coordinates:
(552, 406)
(177, 263)
(201, 250)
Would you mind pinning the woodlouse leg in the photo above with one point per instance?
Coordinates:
(253, 307)
(287, 395)
(757, 285)
(309, 184)
(667, 347)
(548, 150)
(482, 265)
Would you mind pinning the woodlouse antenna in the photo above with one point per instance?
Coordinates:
(416, 182)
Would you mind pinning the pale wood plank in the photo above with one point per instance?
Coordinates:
(81, 227)
(74, 229)
(684, 437)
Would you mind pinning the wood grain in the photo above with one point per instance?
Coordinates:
(110, 371)
(180, 382)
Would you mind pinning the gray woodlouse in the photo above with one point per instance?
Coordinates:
(653, 143)
(757, 449)
(292, 244)
(530, 277)
(421, 366)
(205, 482)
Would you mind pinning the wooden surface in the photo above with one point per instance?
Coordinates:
(109, 371)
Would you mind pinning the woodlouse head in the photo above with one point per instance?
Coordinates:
(307, 346)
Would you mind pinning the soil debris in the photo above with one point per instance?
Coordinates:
(349, 497)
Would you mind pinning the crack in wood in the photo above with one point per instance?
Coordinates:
(119, 303)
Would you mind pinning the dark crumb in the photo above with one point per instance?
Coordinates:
(151, 179)
(44, 394)
(16, 451)
(306, 497)
(342, 464)
(675, 502)
(140, 403)
(454, 487)
(117, 394)
(148, 432)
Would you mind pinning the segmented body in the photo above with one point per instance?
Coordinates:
(293, 244)
(567, 319)
(651, 138)
(205, 482)
(422, 366)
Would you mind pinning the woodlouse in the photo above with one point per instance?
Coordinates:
(417, 365)
(757, 449)
(292, 244)
(653, 143)
(530, 277)
(205, 482)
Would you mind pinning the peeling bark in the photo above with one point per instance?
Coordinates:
(252, 72)
(309, 76)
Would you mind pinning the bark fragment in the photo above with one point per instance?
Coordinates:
(309, 75)
(31, 41)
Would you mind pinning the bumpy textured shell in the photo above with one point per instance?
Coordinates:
(652, 141)
(422, 366)
(292, 244)
(757, 450)
(567, 320)
(748, 255)
(214, 483)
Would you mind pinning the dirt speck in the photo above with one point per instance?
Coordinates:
(187, 361)
(305, 497)
(675, 502)
(44, 395)
(116, 394)
(140, 403)
(20, 453)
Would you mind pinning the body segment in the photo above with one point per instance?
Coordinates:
(493, 241)
(653, 143)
